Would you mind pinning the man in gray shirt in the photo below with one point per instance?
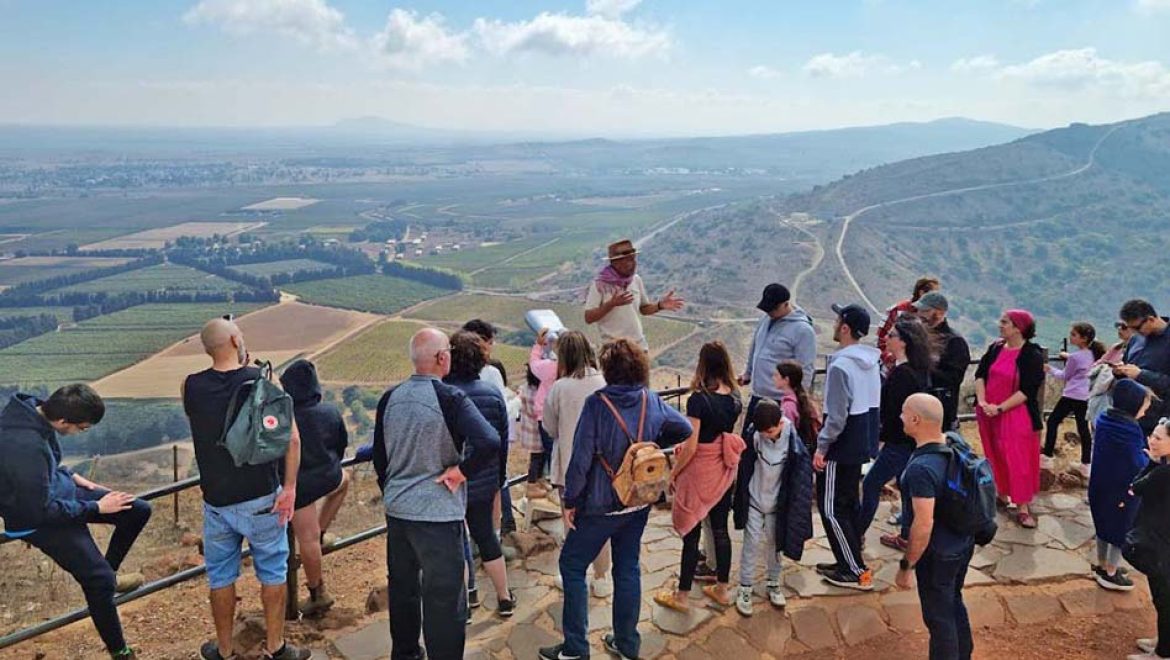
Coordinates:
(422, 429)
(785, 333)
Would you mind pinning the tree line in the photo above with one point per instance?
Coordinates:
(28, 290)
(440, 277)
(223, 262)
(16, 329)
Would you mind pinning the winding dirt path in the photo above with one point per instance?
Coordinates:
(946, 193)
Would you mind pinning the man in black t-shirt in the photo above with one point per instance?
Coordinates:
(239, 503)
(938, 555)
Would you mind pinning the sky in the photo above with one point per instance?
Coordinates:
(609, 68)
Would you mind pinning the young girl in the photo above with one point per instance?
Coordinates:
(1075, 399)
(772, 503)
(1148, 543)
(528, 434)
(545, 370)
(1118, 458)
(796, 405)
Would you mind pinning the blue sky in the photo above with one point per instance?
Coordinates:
(594, 67)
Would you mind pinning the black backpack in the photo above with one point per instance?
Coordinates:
(967, 503)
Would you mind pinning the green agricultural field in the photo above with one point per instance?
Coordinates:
(468, 260)
(380, 355)
(278, 267)
(63, 314)
(380, 294)
(508, 312)
(31, 269)
(102, 345)
(168, 276)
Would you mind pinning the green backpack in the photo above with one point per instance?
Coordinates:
(262, 429)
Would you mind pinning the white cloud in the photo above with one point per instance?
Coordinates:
(1151, 6)
(411, 42)
(764, 72)
(610, 8)
(854, 65)
(1084, 69)
(564, 34)
(311, 22)
(976, 64)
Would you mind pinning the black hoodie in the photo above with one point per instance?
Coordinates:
(35, 489)
(323, 433)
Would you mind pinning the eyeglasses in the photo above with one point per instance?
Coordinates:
(1120, 325)
(1138, 327)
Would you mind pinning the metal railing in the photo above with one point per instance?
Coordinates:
(291, 611)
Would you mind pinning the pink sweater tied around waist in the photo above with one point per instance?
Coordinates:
(701, 481)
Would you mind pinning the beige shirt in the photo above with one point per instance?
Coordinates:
(623, 322)
(562, 410)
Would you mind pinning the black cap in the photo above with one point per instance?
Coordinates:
(774, 294)
(855, 316)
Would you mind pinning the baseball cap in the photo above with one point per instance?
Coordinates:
(855, 316)
(932, 300)
(774, 294)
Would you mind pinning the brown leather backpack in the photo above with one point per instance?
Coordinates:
(644, 473)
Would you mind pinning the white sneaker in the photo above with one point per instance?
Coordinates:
(743, 600)
(1148, 644)
(601, 587)
(776, 595)
(1047, 462)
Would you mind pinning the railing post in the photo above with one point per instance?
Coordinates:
(292, 610)
(175, 478)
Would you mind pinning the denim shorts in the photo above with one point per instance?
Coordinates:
(224, 530)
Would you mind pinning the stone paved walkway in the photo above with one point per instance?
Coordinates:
(1056, 556)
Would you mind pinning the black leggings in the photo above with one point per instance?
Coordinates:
(479, 524)
(690, 551)
(1078, 410)
(535, 466)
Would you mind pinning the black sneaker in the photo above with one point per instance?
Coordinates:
(288, 652)
(210, 651)
(704, 573)
(847, 580)
(557, 653)
(1115, 582)
(611, 646)
(472, 598)
(507, 607)
(828, 568)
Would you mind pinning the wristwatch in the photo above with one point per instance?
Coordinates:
(905, 564)
(999, 410)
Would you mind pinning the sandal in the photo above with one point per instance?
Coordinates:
(712, 592)
(1026, 520)
(895, 541)
(667, 600)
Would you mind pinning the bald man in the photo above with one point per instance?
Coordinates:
(937, 555)
(247, 502)
(421, 430)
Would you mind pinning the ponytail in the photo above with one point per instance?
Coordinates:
(1089, 333)
(794, 372)
(1098, 350)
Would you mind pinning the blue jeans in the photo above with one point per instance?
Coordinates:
(889, 464)
(624, 532)
(224, 531)
(940, 592)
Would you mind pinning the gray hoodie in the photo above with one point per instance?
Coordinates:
(790, 337)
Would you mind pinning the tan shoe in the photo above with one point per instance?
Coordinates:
(126, 582)
(318, 603)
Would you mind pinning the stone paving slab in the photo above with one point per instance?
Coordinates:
(859, 623)
(370, 643)
(1033, 607)
(1031, 564)
(811, 625)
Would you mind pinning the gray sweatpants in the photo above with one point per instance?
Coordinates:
(759, 535)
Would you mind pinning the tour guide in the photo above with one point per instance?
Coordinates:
(617, 295)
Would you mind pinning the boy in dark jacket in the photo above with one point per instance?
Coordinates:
(772, 502)
(48, 506)
(320, 477)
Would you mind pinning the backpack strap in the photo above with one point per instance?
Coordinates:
(232, 411)
(378, 449)
(625, 429)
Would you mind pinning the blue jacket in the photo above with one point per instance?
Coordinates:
(35, 489)
(588, 488)
(794, 523)
(485, 482)
(1118, 458)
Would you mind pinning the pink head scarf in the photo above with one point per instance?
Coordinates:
(1022, 319)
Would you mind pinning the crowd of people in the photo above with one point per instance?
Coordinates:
(594, 432)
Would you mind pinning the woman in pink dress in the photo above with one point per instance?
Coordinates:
(1008, 383)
